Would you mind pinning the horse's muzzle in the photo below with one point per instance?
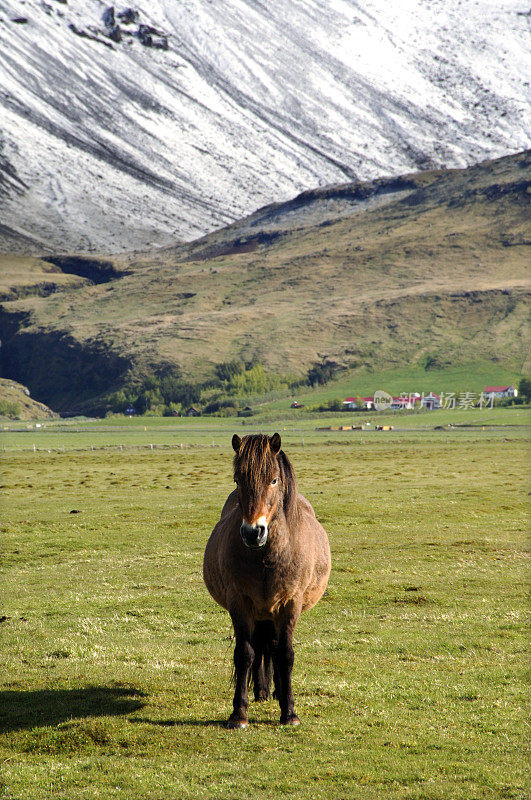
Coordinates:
(254, 536)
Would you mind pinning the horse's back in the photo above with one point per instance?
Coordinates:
(215, 550)
(314, 541)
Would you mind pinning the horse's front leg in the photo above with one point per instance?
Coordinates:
(284, 660)
(243, 659)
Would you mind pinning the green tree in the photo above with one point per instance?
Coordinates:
(323, 372)
(252, 381)
(524, 389)
(118, 401)
(227, 370)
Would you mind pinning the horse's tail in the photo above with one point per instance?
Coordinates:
(263, 643)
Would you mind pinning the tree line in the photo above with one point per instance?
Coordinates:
(224, 394)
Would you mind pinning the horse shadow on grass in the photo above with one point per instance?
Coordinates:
(25, 710)
(197, 723)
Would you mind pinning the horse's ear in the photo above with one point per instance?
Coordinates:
(236, 442)
(275, 442)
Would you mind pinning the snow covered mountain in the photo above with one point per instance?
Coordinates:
(180, 116)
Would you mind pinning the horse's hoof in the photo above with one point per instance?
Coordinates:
(291, 720)
(236, 724)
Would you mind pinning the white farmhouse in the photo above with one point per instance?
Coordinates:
(350, 403)
(500, 392)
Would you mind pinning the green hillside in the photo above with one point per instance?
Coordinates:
(428, 270)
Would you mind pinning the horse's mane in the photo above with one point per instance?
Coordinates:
(255, 463)
(287, 476)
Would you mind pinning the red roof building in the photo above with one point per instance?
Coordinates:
(501, 391)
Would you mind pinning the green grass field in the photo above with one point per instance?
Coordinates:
(409, 675)
(298, 427)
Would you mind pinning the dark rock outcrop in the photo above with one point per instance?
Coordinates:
(108, 17)
(86, 35)
(115, 34)
(128, 16)
(152, 37)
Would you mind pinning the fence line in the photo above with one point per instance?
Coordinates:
(416, 437)
(93, 448)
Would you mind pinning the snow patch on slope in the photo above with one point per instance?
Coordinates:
(110, 145)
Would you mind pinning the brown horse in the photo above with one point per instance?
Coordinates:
(267, 560)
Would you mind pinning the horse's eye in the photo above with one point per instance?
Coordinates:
(274, 482)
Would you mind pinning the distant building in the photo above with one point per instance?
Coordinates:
(130, 411)
(499, 392)
(430, 401)
(350, 402)
(400, 403)
(296, 405)
(368, 403)
(193, 412)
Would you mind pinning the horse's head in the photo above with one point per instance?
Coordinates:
(266, 484)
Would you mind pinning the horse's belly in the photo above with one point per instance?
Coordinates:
(320, 574)
(211, 570)
(314, 593)
(269, 607)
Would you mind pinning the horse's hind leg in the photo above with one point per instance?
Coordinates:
(261, 670)
(260, 687)
(284, 658)
(276, 678)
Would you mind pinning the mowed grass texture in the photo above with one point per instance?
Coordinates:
(409, 674)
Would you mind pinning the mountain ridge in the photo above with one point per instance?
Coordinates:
(438, 269)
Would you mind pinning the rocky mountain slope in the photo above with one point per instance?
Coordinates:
(176, 118)
(16, 403)
(386, 273)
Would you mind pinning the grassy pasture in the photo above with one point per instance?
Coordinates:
(409, 675)
(122, 433)
(471, 377)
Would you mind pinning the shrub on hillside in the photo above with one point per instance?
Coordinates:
(118, 402)
(323, 372)
(228, 369)
(9, 409)
(431, 361)
(255, 380)
(524, 390)
(175, 390)
(236, 378)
